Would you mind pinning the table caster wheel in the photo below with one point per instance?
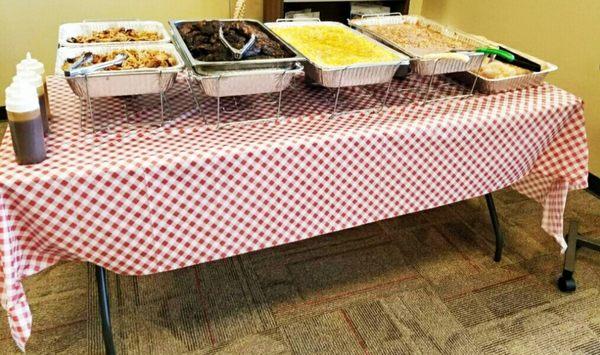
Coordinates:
(566, 284)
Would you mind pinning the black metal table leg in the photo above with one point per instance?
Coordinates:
(566, 282)
(103, 301)
(496, 225)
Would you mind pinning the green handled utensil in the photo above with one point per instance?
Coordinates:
(498, 53)
(509, 57)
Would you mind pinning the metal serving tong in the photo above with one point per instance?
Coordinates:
(506, 56)
(237, 53)
(78, 69)
(83, 59)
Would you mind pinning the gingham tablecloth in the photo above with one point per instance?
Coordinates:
(154, 200)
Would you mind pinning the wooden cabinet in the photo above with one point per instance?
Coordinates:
(333, 10)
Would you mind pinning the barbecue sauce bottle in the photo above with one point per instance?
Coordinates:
(32, 78)
(25, 122)
(35, 65)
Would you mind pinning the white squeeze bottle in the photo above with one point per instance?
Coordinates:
(25, 122)
(35, 65)
(33, 78)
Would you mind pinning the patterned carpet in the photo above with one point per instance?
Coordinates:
(422, 283)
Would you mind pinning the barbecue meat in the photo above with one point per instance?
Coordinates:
(202, 39)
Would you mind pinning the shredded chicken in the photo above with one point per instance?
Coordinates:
(117, 35)
(137, 59)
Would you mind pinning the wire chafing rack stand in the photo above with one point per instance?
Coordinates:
(429, 92)
(334, 96)
(201, 89)
(87, 111)
(429, 96)
(432, 90)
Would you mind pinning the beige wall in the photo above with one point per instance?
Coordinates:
(563, 32)
(32, 25)
(415, 7)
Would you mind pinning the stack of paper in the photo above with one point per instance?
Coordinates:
(365, 8)
(305, 13)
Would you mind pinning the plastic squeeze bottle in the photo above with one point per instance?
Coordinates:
(25, 122)
(31, 77)
(35, 65)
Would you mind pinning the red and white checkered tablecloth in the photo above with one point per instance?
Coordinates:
(153, 200)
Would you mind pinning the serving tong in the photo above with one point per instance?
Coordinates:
(462, 55)
(506, 56)
(520, 61)
(499, 53)
(237, 53)
(77, 68)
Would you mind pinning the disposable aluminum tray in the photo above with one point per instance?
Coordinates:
(353, 75)
(248, 82)
(492, 86)
(420, 64)
(121, 82)
(209, 68)
(69, 30)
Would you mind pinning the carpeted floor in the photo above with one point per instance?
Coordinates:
(422, 283)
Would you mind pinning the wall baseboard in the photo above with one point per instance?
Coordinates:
(594, 184)
(3, 116)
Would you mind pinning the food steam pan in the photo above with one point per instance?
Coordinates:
(207, 68)
(420, 63)
(492, 86)
(121, 82)
(69, 30)
(248, 82)
(353, 75)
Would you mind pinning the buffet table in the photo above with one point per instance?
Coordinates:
(152, 200)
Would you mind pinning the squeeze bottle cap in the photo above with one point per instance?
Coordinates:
(21, 97)
(28, 76)
(31, 64)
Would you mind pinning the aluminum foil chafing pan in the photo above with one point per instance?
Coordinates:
(424, 62)
(353, 75)
(248, 82)
(209, 68)
(492, 86)
(120, 82)
(69, 30)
